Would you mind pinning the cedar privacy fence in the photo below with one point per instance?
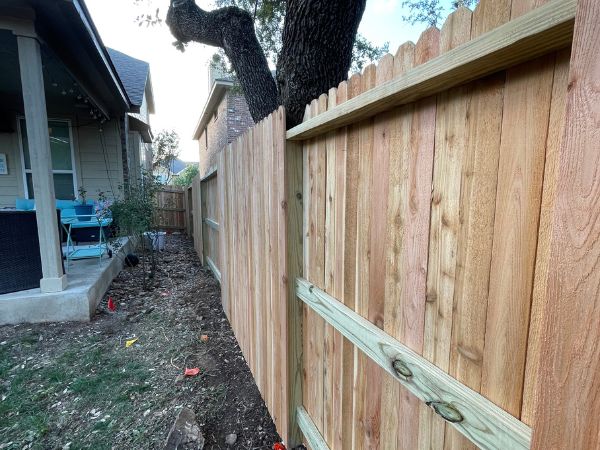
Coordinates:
(415, 265)
(170, 208)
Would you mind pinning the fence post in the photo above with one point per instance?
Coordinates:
(293, 186)
(223, 224)
(198, 218)
(186, 212)
(568, 404)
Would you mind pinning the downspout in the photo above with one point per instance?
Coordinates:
(124, 134)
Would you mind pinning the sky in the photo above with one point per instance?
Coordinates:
(180, 80)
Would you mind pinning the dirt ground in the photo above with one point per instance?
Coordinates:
(77, 385)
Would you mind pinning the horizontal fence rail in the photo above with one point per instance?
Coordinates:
(543, 30)
(485, 424)
(211, 223)
(309, 429)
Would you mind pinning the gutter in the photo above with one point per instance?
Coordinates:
(84, 15)
(219, 88)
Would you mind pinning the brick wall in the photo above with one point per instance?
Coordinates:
(213, 138)
(238, 116)
(233, 118)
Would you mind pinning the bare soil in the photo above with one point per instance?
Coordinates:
(77, 385)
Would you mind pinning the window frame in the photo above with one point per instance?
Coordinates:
(25, 171)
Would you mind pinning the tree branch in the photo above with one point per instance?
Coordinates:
(232, 29)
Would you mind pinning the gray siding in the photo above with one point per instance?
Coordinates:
(11, 185)
(98, 163)
(99, 154)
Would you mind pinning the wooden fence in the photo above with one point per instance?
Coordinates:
(421, 215)
(170, 208)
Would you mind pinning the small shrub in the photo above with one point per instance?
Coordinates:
(134, 214)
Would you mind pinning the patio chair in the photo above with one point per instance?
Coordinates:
(73, 222)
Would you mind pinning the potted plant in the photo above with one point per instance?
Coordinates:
(82, 208)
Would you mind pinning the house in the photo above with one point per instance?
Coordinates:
(135, 76)
(225, 116)
(72, 114)
(166, 175)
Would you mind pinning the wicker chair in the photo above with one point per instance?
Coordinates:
(20, 262)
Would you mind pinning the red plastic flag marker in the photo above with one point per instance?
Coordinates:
(111, 305)
(191, 372)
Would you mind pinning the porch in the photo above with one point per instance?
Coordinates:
(88, 281)
(63, 127)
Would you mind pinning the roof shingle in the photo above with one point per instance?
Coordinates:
(133, 73)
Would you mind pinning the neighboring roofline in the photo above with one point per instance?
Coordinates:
(87, 21)
(189, 163)
(217, 92)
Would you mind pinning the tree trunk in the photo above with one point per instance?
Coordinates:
(318, 36)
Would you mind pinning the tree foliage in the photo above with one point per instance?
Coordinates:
(365, 52)
(186, 175)
(431, 12)
(268, 18)
(311, 43)
(165, 150)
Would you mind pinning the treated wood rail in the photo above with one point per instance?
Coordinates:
(484, 423)
(211, 223)
(545, 29)
(214, 269)
(309, 429)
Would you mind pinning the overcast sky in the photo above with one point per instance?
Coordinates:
(180, 80)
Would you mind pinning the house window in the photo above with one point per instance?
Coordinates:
(206, 138)
(61, 148)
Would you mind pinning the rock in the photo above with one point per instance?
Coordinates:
(185, 432)
(230, 439)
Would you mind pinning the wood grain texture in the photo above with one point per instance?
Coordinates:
(362, 421)
(281, 318)
(340, 345)
(398, 408)
(377, 210)
(527, 97)
(329, 398)
(313, 367)
(542, 264)
(478, 176)
(570, 359)
(546, 29)
(293, 179)
(483, 422)
(350, 266)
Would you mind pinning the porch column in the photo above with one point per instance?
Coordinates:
(34, 100)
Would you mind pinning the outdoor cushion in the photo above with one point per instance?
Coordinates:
(67, 212)
(28, 204)
(63, 204)
(25, 204)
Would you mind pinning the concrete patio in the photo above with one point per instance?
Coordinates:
(88, 280)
